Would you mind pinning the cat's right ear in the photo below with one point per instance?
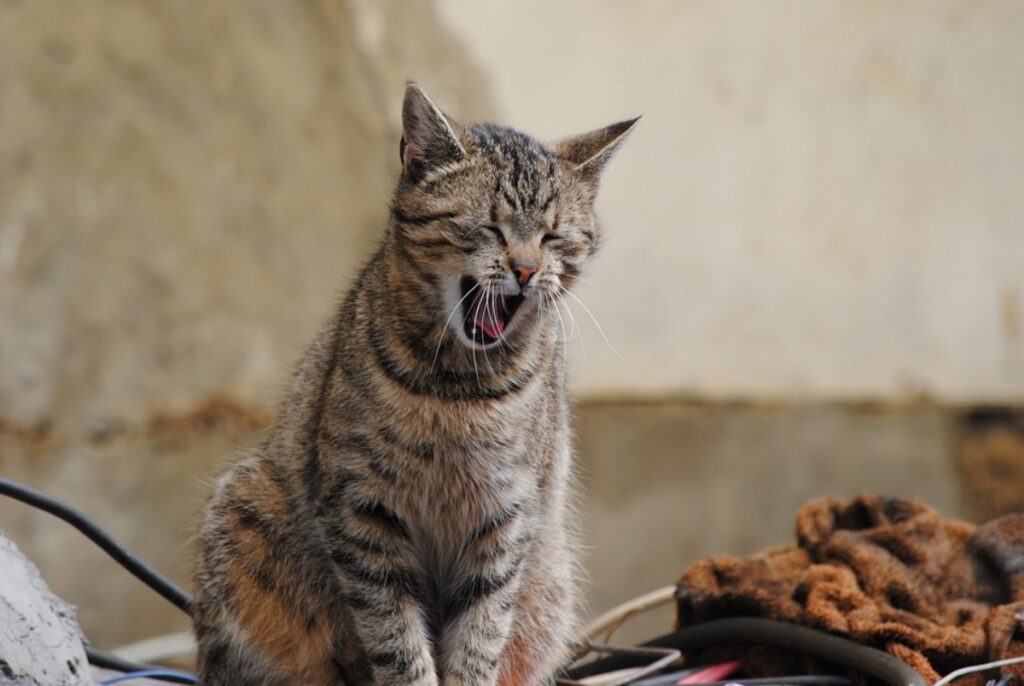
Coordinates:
(428, 136)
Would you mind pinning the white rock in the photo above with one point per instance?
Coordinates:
(40, 642)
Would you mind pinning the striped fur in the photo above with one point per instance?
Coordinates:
(407, 520)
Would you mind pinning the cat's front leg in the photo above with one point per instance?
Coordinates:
(390, 625)
(369, 546)
(479, 609)
(477, 637)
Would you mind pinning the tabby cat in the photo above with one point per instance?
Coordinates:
(406, 521)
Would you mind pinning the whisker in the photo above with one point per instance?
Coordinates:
(549, 301)
(476, 313)
(577, 330)
(487, 308)
(494, 312)
(596, 323)
(448, 321)
(501, 337)
(561, 323)
(541, 310)
(583, 280)
(473, 228)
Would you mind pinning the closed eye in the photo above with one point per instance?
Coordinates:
(548, 237)
(497, 232)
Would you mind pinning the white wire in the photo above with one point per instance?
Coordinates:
(158, 648)
(611, 620)
(956, 674)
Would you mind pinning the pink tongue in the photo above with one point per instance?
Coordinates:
(485, 319)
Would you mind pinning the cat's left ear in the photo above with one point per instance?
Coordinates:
(428, 136)
(591, 151)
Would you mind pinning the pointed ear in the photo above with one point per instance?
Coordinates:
(428, 136)
(591, 151)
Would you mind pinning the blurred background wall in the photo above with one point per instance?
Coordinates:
(813, 279)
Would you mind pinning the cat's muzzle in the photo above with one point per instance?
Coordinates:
(486, 313)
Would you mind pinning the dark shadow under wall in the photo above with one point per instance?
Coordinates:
(989, 458)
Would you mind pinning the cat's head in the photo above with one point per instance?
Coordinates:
(498, 222)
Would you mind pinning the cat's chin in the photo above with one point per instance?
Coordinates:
(487, 316)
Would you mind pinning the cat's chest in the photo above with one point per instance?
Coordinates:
(466, 486)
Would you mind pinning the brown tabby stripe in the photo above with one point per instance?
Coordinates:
(452, 387)
(475, 589)
(497, 522)
(421, 219)
(360, 444)
(311, 472)
(383, 517)
(424, 451)
(358, 570)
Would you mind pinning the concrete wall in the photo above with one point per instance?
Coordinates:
(186, 190)
(822, 200)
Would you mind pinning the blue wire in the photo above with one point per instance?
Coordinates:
(147, 673)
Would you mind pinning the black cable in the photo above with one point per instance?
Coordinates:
(110, 661)
(754, 630)
(149, 576)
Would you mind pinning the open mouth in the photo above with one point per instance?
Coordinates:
(485, 318)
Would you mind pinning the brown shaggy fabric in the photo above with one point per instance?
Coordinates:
(890, 573)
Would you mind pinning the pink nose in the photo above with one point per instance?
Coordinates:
(523, 273)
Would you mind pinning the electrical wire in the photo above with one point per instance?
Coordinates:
(105, 660)
(604, 626)
(963, 671)
(799, 680)
(150, 674)
(76, 518)
(656, 660)
(160, 648)
(754, 630)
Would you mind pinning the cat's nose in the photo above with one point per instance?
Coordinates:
(523, 271)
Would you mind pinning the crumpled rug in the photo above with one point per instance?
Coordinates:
(940, 594)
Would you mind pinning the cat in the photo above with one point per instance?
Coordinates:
(408, 519)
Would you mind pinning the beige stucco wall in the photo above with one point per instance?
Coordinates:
(185, 190)
(823, 198)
